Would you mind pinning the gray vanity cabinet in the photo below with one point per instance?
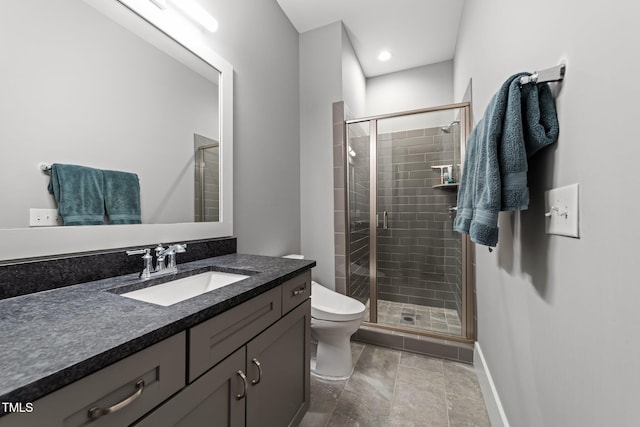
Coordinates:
(130, 388)
(269, 338)
(275, 391)
(214, 339)
(210, 401)
(248, 366)
(278, 393)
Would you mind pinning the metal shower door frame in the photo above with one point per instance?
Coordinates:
(467, 297)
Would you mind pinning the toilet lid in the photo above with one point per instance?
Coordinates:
(329, 305)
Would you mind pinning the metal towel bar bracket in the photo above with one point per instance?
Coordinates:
(552, 74)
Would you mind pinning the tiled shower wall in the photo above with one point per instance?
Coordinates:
(419, 255)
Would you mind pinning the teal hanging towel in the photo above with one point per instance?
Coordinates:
(78, 191)
(519, 121)
(122, 197)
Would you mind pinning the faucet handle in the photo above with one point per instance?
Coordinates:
(146, 271)
(139, 252)
(179, 248)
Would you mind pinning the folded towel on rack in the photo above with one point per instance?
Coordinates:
(122, 197)
(518, 122)
(78, 193)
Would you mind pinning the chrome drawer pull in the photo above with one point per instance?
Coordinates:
(255, 362)
(299, 290)
(244, 385)
(98, 412)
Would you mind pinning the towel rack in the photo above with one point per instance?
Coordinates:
(44, 167)
(553, 74)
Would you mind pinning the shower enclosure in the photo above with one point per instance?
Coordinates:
(403, 259)
(206, 179)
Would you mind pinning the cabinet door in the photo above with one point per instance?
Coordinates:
(212, 400)
(278, 371)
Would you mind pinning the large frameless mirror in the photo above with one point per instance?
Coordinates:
(115, 85)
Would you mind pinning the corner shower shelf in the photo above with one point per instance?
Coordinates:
(454, 185)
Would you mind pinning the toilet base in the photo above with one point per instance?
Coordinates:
(315, 373)
(333, 359)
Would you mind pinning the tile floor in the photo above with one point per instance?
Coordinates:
(395, 388)
(420, 317)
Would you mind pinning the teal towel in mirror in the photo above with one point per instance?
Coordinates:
(122, 197)
(78, 191)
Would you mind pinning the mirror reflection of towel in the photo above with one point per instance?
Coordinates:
(78, 191)
(122, 197)
(85, 195)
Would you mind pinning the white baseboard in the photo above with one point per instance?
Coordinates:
(491, 398)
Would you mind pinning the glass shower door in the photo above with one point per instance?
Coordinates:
(413, 277)
(359, 198)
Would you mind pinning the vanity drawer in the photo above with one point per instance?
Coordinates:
(215, 339)
(295, 291)
(161, 367)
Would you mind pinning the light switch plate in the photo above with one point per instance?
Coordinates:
(562, 211)
(44, 217)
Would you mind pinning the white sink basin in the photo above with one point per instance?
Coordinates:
(169, 293)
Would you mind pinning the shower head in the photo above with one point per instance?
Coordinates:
(447, 129)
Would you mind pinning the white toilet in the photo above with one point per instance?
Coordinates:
(334, 318)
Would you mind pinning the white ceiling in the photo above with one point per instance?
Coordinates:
(416, 32)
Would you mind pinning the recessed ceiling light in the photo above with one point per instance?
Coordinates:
(385, 55)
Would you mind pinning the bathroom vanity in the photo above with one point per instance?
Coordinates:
(238, 355)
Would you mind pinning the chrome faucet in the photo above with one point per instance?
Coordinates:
(168, 266)
(148, 262)
(163, 266)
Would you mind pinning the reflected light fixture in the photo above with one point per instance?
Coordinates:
(197, 13)
(161, 4)
(385, 55)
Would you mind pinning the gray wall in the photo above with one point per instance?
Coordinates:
(411, 89)
(259, 41)
(558, 317)
(320, 87)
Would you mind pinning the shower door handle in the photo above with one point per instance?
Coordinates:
(385, 220)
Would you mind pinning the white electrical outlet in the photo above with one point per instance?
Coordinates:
(44, 217)
(562, 211)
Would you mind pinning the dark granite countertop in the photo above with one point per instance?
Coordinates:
(52, 338)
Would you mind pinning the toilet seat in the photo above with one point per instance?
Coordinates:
(329, 305)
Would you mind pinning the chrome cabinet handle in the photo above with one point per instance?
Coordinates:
(96, 412)
(244, 385)
(299, 290)
(257, 363)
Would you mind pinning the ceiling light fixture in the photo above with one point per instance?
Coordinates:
(385, 55)
(194, 11)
